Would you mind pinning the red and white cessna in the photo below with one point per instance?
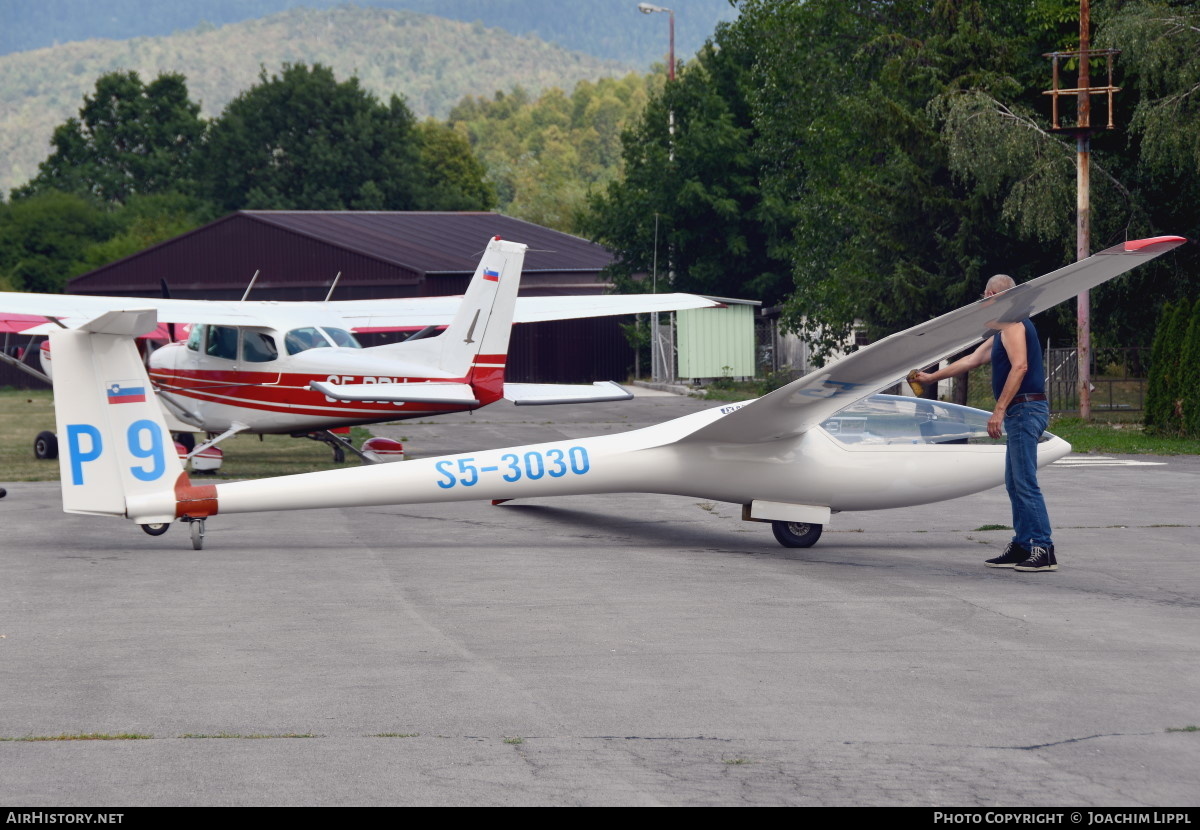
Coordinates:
(296, 368)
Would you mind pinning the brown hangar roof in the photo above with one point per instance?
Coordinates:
(382, 253)
(436, 242)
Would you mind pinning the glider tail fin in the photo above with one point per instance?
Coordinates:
(115, 450)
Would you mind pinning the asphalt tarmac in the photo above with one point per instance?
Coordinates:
(610, 650)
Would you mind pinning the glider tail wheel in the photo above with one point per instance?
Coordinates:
(197, 534)
(796, 534)
(45, 446)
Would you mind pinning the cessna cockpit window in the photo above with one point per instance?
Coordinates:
(301, 340)
(313, 337)
(258, 347)
(194, 337)
(341, 337)
(222, 341)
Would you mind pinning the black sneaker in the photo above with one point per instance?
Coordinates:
(1013, 554)
(1040, 559)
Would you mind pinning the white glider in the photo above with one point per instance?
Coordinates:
(791, 458)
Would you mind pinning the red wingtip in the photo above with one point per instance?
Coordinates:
(1142, 244)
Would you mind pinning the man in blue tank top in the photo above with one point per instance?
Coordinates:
(1022, 411)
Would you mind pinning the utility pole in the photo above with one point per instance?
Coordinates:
(1083, 210)
(1083, 151)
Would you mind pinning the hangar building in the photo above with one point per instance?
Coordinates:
(297, 254)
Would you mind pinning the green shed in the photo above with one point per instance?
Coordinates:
(717, 342)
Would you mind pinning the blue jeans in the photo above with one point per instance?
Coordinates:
(1024, 423)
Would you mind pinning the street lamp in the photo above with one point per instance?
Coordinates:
(650, 8)
(660, 368)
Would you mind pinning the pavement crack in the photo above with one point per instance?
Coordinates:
(1078, 740)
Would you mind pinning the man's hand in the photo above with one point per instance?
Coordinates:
(996, 423)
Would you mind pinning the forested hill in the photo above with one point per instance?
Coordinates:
(610, 29)
(432, 62)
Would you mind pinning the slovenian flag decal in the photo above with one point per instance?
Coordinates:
(489, 274)
(126, 391)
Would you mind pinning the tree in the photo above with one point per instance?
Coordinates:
(1156, 406)
(1189, 377)
(451, 177)
(1161, 49)
(690, 198)
(43, 238)
(1163, 397)
(301, 140)
(880, 231)
(129, 139)
(544, 155)
(1145, 176)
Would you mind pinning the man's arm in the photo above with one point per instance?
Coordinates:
(974, 360)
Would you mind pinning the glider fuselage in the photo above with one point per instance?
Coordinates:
(816, 468)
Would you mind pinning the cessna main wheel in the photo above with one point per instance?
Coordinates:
(796, 534)
(45, 446)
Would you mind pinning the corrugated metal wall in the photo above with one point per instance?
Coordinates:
(560, 351)
(569, 351)
(716, 342)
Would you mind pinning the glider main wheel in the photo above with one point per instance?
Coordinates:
(796, 534)
(157, 529)
(45, 446)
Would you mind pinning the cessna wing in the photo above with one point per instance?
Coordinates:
(418, 312)
(36, 313)
(803, 403)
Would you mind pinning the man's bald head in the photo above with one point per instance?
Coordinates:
(998, 283)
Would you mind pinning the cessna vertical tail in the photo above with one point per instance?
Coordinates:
(469, 355)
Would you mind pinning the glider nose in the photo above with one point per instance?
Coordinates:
(1051, 449)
